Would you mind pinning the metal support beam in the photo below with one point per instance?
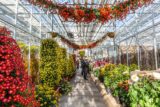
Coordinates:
(15, 20)
(29, 44)
(155, 45)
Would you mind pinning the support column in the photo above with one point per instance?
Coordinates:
(114, 52)
(40, 32)
(29, 44)
(155, 44)
(16, 15)
(138, 54)
(127, 53)
(155, 52)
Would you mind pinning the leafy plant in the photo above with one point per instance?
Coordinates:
(96, 72)
(50, 70)
(47, 96)
(65, 87)
(133, 67)
(70, 67)
(145, 93)
(82, 53)
(118, 74)
(34, 64)
(105, 70)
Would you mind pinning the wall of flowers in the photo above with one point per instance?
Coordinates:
(42, 88)
(16, 88)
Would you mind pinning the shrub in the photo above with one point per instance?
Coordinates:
(70, 67)
(105, 70)
(47, 96)
(133, 67)
(50, 72)
(113, 77)
(62, 60)
(65, 87)
(34, 64)
(82, 53)
(13, 77)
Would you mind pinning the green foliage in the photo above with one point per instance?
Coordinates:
(34, 64)
(145, 93)
(65, 87)
(34, 61)
(54, 67)
(96, 72)
(24, 47)
(62, 60)
(50, 71)
(133, 67)
(82, 53)
(54, 63)
(70, 67)
(104, 70)
(47, 96)
(113, 77)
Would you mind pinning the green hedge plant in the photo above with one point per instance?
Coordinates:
(50, 72)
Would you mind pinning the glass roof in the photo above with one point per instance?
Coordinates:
(28, 20)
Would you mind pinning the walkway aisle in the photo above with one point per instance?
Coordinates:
(84, 94)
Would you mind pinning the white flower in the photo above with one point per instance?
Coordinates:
(134, 78)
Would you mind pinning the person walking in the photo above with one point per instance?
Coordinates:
(82, 66)
(85, 68)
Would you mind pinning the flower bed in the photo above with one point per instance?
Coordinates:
(132, 89)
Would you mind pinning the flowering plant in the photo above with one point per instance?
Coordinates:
(102, 14)
(15, 85)
(79, 14)
(47, 96)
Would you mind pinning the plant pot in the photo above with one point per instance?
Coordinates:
(111, 34)
(53, 34)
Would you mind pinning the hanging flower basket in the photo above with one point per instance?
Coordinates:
(111, 34)
(53, 34)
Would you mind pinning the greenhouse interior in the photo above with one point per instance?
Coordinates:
(79, 53)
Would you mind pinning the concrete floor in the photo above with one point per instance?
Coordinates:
(84, 94)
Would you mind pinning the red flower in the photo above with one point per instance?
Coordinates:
(13, 77)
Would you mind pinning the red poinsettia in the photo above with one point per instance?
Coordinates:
(15, 85)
